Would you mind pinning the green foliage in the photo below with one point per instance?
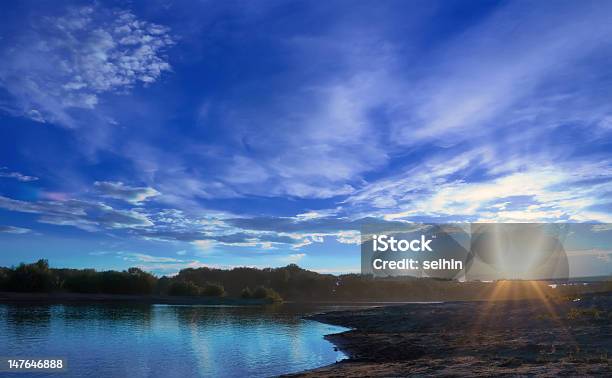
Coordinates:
(183, 288)
(163, 285)
(246, 293)
(262, 292)
(36, 277)
(4, 278)
(212, 290)
(81, 281)
(132, 281)
(141, 281)
(188, 288)
(290, 283)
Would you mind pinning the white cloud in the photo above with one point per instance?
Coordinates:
(119, 190)
(513, 189)
(293, 258)
(4, 172)
(145, 258)
(349, 237)
(90, 216)
(68, 61)
(204, 245)
(172, 269)
(14, 230)
(150, 263)
(337, 270)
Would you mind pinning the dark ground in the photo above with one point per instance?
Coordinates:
(536, 337)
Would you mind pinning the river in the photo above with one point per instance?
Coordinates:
(168, 341)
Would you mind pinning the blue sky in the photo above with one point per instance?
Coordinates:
(168, 134)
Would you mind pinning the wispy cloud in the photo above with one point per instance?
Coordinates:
(90, 216)
(478, 185)
(293, 258)
(14, 230)
(145, 258)
(157, 264)
(4, 172)
(118, 190)
(67, 61)
(288, 137)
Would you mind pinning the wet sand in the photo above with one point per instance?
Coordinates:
(536, 337)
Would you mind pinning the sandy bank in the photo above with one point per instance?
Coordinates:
(536, 337)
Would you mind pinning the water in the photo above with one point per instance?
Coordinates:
(168, 341)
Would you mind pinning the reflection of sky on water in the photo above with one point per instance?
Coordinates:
(168, 341)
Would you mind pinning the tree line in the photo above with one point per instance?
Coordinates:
(38, 277)
(289, 283)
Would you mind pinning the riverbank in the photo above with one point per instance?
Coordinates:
(527, 337)
(29, 298)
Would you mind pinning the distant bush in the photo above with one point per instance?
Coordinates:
(4, 278)
(246, 293)
(81, 281)
(163, 285)
(182, 288)
(141, 282)
(132, 281)
(262, 292)
(36, 277)
(212, 290)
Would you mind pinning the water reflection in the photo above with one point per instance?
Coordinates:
(169, 341)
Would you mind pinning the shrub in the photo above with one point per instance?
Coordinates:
(4, 278)
(262, 292)
(181, 288)
(35, 277)
(246, 293)
(82, 281)
(141, 282)
(212, 290)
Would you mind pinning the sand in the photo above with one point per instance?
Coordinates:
(536, 337)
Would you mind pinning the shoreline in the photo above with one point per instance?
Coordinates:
(62, 297)
(523, 337)
(72, 298)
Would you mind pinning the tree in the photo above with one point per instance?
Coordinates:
(32, 277)
(212, 290)
(4, 278)
(262, 292)
(182, 288)
(141, 281)
(246, 293)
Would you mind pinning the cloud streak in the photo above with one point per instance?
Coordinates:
(14, 230)
(65, 62)
(90, 216)
(4, 172)
(118, 190)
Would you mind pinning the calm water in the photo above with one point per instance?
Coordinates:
(168, 341)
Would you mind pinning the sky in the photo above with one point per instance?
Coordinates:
(168, 135)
